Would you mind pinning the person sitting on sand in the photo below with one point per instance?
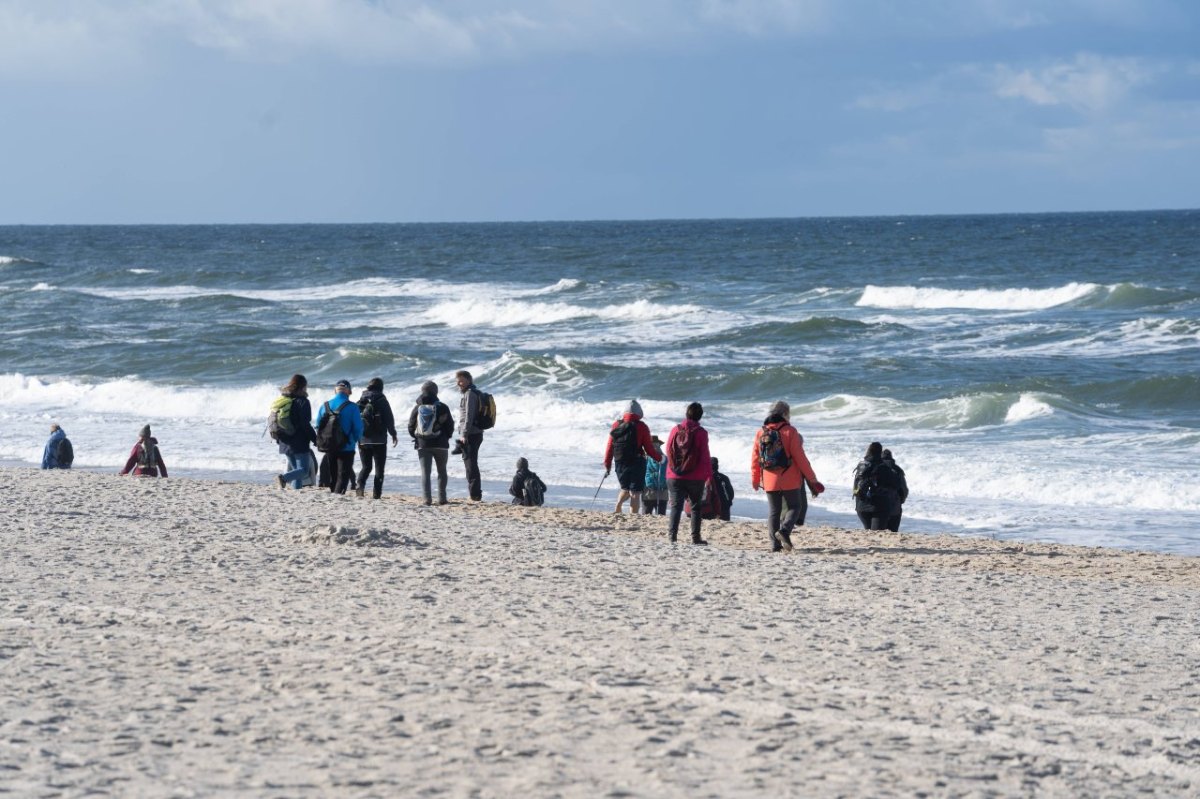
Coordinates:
(527, 488)
(629, 444)
(724, 489)
(58, 453)
(778, 464)
(145, 459)
(876, 490)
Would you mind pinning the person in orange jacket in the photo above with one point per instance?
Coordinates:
(778, 464)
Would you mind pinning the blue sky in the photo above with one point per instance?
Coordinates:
(177, 111)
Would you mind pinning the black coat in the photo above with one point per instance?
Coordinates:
(303, 435)
(888, 501)
(384, 409)
(445, 424)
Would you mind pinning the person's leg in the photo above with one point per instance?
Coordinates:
(425, 458)
(648, 503)
(471, 464)
(364, 455)
(635, 502)
(878, 522)
(297, 465)
(894, 522)
(796, 505)
(343, 464)
(695, 491)
(622, 495)
(774, 508)
(675, 490)
(380, 460)
(440, 456)
(865, 518)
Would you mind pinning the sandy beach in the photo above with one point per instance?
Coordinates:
(196, 638)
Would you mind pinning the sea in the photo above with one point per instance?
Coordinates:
(1037, 376)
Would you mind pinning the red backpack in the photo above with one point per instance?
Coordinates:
(684, 453)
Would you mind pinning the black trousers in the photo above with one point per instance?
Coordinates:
(693, 492)
(470, 456)
(797, 509)
(372, 455)
(876, 520)
(342, 464)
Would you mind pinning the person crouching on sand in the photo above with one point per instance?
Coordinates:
(778, 464)
(145, 460)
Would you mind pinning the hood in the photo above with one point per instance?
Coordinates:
(775, 422)
(631, 417)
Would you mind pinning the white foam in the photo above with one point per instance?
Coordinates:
(42, 287)
(6, 260)
(143, 271)
(480, 312)
(1026, 408)
(1017, 299)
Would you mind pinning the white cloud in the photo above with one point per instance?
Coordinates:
(1089, 83)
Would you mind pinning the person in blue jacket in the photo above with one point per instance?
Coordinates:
(50, 459)
(352, 425)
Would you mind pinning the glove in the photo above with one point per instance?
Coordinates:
(816, 487)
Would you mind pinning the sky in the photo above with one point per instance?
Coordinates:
(238, 111)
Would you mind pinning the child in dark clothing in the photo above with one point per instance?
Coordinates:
(527, 488)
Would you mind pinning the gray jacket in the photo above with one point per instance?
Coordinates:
(468, 411)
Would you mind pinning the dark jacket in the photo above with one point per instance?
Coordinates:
(445, 424)
(303, 433)
(468, 412)
(517, 489)
(382, 407)
(725, 488)
(888, 503)
(156, 469)
(902, 488)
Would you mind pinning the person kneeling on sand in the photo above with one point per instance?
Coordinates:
(527, 488)
(58, 453)
(145, 460)
(778, 464)
(629, 442)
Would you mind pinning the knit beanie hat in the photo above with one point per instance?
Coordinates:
(145, 432)
(522, 464)
(780, 408)
(634, 408)
(429, 388)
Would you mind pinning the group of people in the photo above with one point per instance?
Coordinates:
(343, 426)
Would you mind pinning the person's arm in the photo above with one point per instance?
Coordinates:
(162, 467)
(412, 421)
(755, 466)
(705, 457)
(646, 441)
(389, 420)
(517, 488)
(46, 454)
(800, 460)
(356, 423)
(608, 451)
(129, 464)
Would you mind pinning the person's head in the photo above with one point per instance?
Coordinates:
(463, 379)
(54, 428)
(715, 464)
(658, 442)
(429, 389)
(296, 386)
(376, 384)
(874, 449)
(144, 432)
(780, 408)
(634, 408)
(694, 411)
(342, 387)
(522, 464)
(887, 454)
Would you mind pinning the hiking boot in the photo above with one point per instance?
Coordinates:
(359, 492)
(785, 540)
(427, 501)
(282, 482)
(673, 538)
(700, 542)
(443, 501)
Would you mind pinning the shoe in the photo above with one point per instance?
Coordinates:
(443, 501)
(428, 501)
(282, 482)
(785, 540)
(360, 491)
(673, 538)
(700, 542)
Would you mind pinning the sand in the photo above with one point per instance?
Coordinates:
(189, 638)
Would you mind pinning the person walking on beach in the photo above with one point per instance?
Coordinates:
(527, 488)
(689, 465)
(340, 435)
(654, 497)
(145, 459)
(629, 444)
(902, 491)
(778, 464)
(378, 424)
(876, 490)
(724, 490)
(293, 430)
(430, 425)
(469, 433)
(58, 453)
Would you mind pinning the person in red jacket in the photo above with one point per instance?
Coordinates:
(144, 459)
(688, 467)
(629, 443)
(778, 464)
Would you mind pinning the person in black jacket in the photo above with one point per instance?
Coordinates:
(876, 489)
(724, 489)
(295, 445)
(431, 425)
(902, 491)
(378, 424)
(519, 484)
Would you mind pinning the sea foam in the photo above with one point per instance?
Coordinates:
(1017, 299)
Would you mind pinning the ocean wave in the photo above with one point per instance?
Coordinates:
(478, 312)
(12, 260)
(966, 412)
(1018, 299)
(42, 287)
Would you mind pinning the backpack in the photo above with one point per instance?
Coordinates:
(535, 490)
(486, 418)
(279, 419)
(372, 418)
(331, 437)
(147, 457)
(625, 442)
(656, 475)
(772, 456)
(710, 502)
(877, 486)
(64, 453)
(427, 418)
(683, 453)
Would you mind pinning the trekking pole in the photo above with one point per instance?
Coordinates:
(602, 479)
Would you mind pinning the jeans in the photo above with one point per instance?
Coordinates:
(797, 505)
(693, 491)
(377, 454)
(470, 456)
(428, 457)
(297, 464)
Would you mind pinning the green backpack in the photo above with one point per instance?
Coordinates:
(279, 420)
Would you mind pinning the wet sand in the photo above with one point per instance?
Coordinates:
(199, 638)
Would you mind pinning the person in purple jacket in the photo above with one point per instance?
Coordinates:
(688, 467)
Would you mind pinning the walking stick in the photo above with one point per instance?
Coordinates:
(602, 479)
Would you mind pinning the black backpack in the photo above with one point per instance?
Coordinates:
(64, 453)
(535, 490)
(625, 442)
(331, 437)
(878, 486)
(371, 417)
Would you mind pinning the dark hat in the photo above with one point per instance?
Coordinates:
(145, 431)
(343, 384)
(656, 439)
